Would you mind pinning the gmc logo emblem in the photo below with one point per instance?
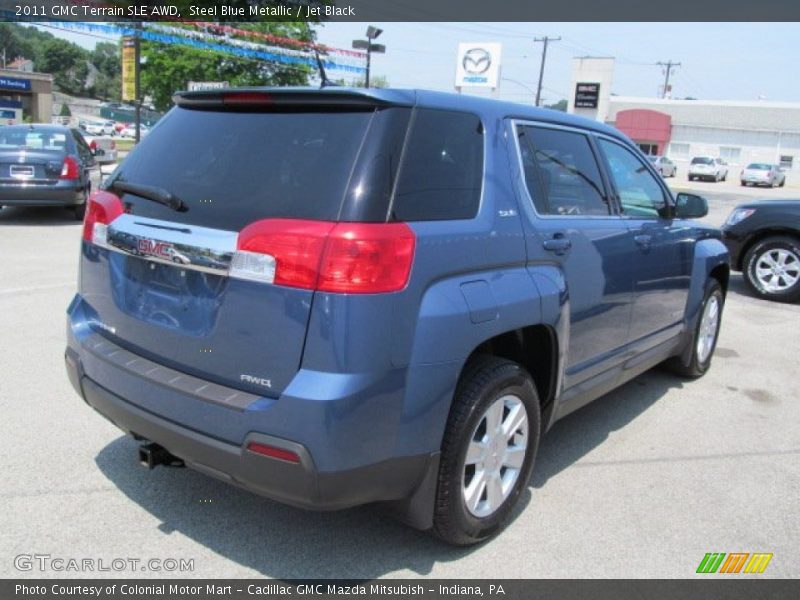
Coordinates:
(155, 248)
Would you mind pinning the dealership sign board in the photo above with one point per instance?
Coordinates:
(587, 95)
(478, 65)
(128, 68)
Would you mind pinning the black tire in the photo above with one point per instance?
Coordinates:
(485, 380)
(698, 365)
(783, 182)
(744, 184)
(750, 262)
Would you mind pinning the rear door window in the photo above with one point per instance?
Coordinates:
(561, 172)
(234, 167)
(442, 170)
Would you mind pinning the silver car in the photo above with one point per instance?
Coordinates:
(103, 147)
(708, 167)
(763, 174)
(663, 165)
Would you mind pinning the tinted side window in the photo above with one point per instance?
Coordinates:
(639, 192)
(561, 172)
(442, 169)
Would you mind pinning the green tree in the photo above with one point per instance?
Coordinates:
(65, 111)
(560, 105)
(375, 81)
(68, 64)
(169, 68)
(106, 57)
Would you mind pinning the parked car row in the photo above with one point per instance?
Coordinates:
(709, 168)
(112, 128)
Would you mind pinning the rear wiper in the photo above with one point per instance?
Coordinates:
(149, 192)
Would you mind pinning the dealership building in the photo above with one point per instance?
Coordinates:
(739, 132)
(25, 93)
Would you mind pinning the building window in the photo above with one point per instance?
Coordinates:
(678, 150)
(786, 161)
(649, 149)
(729, 153)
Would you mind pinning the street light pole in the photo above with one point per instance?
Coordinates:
(372, 33)
(369, 57)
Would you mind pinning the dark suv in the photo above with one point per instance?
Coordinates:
(336, 297)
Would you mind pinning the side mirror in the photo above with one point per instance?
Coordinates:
(690, 206)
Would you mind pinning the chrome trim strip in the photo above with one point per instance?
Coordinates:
(184, 246)
(169, 378)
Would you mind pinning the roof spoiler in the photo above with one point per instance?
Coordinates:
(278, 98)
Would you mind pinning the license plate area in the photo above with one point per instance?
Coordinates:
(21, 171)
(166, 295)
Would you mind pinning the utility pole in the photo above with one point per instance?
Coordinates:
(545, 40)
(668, 66)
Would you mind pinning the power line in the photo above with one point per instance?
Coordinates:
(545, 40)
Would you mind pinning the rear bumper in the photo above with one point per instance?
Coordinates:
(304, 485)
(57, 195)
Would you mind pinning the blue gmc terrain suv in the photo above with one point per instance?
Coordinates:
(336, 297)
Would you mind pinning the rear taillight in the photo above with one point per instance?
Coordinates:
(70, 169)
(113, 144)
(367, 258)
(93, 146)
(349, 258)
(102, 208)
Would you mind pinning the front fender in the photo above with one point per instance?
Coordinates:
(709, 254)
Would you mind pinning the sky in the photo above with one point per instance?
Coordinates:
(719, 61)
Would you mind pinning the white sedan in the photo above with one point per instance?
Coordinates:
(129, 131)
(708, 167)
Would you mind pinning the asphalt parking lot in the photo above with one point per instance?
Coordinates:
(641, 483)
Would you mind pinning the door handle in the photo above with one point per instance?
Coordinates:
(558, 244)
(643, 241)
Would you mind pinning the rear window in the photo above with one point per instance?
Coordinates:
(759, 167)
(442, 169)
(233, 168)
(23, 136)
(702, 160)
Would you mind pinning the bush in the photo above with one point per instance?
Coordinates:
(65, 111)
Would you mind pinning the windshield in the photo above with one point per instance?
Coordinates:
(231, 168)
(23, 136)
(702, 160)
(759, 167)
